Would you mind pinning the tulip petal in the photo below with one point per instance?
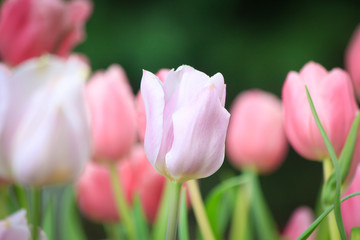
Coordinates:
(199, 136)
(153, 96)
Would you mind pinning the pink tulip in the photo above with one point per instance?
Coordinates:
(256, 136)
(94, 191)
(350, 209)
(335, 103)
(299, 221)
(46, 134)
(352, 60)
(140, 108)
(30, 28)
(113, 115)
(186, 123)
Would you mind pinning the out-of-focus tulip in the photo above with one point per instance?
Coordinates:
(140, 108)
(46, 134)
(352, 60)
(335, 103)
(94, 192)
(30, 28)
(186, 123)
(299, 221)
(256, 136)
(113, 114)
(350, 209)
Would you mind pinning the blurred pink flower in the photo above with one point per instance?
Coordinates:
(352, 60)
(350, 209)
(140, 108)
(335, 103)
(256, 136)
(299, 221)
(31, 28)
(113, 114)
(186, 123)
(94, 191)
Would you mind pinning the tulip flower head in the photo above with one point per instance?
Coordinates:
(299, 221)
(352, 60)
(113, 115)
(186, 123)
(335, 103)
(256, 137)
(30, 28)
(46, 131)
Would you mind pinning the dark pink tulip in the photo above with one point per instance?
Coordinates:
(299, 221)
(113, 115)
(140, 108)
(352, 60)
(256, 137)
(31, 28)
(335, 103)
(350, 209)
(94, 191)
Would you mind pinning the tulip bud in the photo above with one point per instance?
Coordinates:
(94, 192)
(46, 131)
(335, 103)
(256, 137)
(140, 108)
(113, 115)
(30, 28)
(350, 208)
(299, 221)
(186, 123)
(352, 60)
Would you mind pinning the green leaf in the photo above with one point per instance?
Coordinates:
(70, 223)
(334, 160)
(142, 231)
(183, 223)
(355, 233)
(317, 221)
(160, 225)
(215, 201)
(49, 219)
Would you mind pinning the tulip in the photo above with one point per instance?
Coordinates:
(30, 28)
(113, 115)
(335, 103)
(186, 123)
(94, 192)
(140, 108)
(350, 208)
(46, 131)
(352, 60)
(299, 221)
(256, 136)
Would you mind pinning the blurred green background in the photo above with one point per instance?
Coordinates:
(254, 44)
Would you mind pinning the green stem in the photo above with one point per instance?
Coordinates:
(263, 219)
(199, 209)
(37, 212)
(4, 195)
(240, 223)
(173, 211)
(121, 204)
(112, 232)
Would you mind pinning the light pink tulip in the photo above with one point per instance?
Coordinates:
(335, 103)
(350, 209)
(140, 108)
(186, 123)
(30, 28)
(94, 191)
(113, 114)
(256, 137)
(46, 134)
(352, 60)
(299, 221)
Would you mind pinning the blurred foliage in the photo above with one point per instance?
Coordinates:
(254, 44)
